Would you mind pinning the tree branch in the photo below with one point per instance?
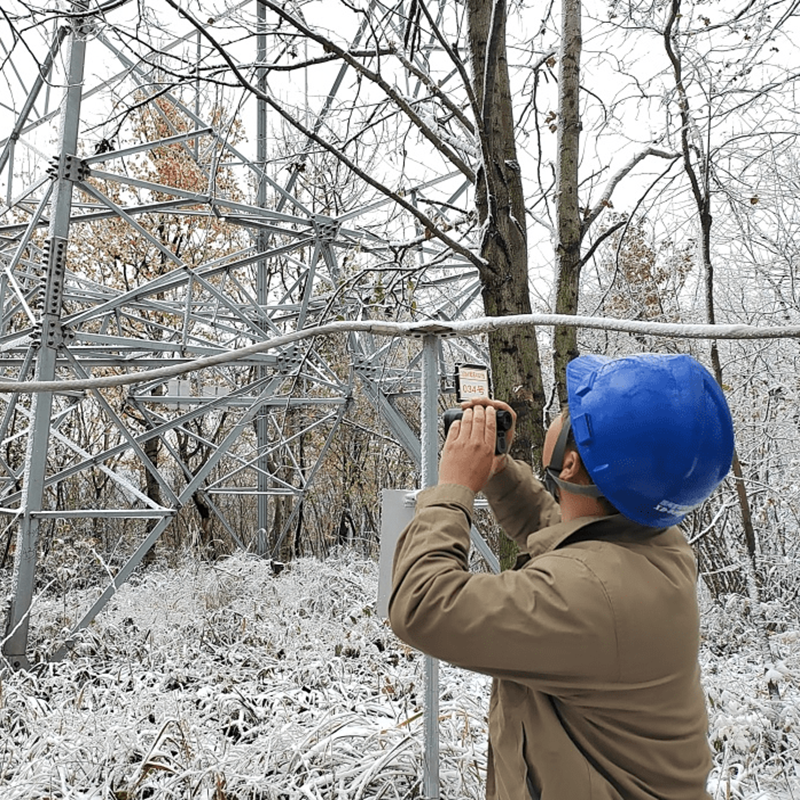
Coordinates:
(617, 177)
(375, 77)
(683, 102)
(424, 219)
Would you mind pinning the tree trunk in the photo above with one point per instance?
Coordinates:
(699, 182)
(500, 204)
(568, 217)
(208, 545)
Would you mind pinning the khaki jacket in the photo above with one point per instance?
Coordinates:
(593, 643)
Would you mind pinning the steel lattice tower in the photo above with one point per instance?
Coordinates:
(240, 267)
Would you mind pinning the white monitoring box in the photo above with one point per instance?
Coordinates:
(397, 510)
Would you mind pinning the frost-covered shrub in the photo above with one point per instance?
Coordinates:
(754, 735)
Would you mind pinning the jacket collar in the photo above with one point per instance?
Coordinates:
(615, 528)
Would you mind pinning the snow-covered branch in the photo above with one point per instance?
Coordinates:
(615, 179)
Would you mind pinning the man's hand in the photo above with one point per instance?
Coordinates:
(498, 405)
(468, 457)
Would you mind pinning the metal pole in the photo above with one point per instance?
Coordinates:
(262, 419)
(68, 170)
(430, 465)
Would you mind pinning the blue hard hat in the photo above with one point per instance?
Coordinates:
(654, 432)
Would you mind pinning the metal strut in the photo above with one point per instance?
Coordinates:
(67, 170)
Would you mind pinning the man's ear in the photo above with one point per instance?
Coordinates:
(573, 467)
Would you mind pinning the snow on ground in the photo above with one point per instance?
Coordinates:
(226, 682)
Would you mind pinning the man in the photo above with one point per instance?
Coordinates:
(593, 642)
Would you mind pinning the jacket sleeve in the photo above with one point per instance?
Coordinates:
(520, 502)
(529, 623)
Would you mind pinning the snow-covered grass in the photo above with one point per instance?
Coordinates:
(226, 682)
